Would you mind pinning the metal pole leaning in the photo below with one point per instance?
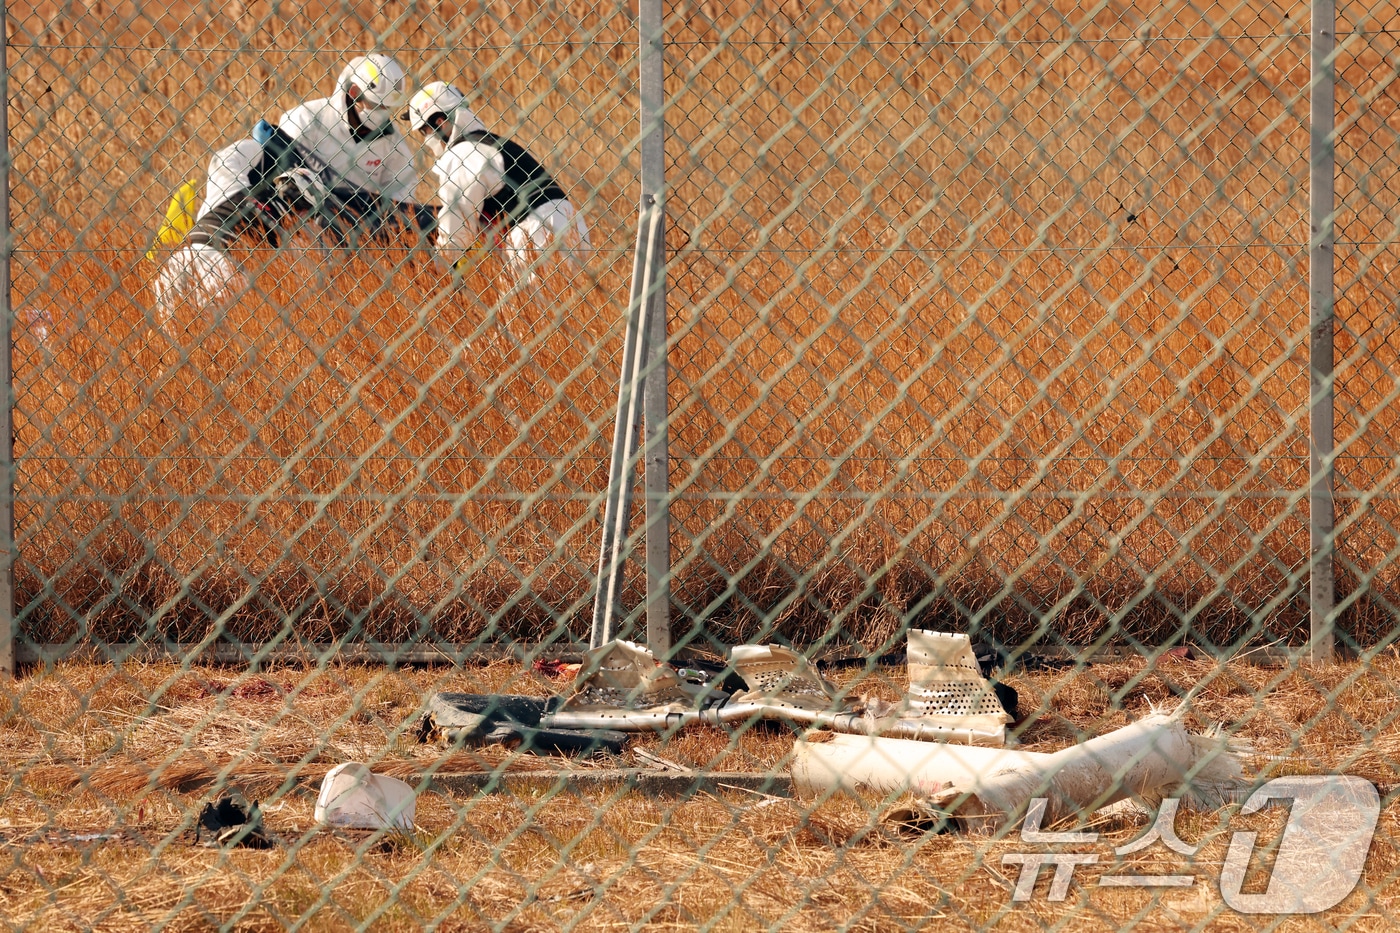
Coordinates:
(652, 89)
(642, 390)
(618, 507)
(1321, 317)
(7, 452)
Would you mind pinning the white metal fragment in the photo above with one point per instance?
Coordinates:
(626, 675)
(621, 685)
(946, 688)
(1149, 759)
(983, 789)
(888, 766)
(780, 678)
(353, 797)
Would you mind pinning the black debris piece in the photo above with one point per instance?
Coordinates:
(513, 721)
(228, 822)
(558, 741)
(1010, 699)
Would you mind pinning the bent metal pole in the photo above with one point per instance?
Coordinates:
(607, 599)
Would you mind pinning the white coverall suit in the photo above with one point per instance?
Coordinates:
(372, 175)
(472, 175)
(381, 165)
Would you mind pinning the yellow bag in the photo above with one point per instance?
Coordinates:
(179, 217)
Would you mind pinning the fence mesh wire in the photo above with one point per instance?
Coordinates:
(982, 319)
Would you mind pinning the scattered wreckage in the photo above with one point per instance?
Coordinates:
(621, 688)
(943, 742)
(942, 745)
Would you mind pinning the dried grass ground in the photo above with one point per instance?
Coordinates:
(93, 749)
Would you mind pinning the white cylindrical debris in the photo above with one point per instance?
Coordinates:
(891, 766)
(1149, 759)
(984, 789)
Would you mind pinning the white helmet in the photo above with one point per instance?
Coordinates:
(380, 85)
(441, 97)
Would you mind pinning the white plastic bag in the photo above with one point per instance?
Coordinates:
(352, 797)
(191, 278)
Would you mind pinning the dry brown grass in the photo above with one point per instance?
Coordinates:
(955, 382)
(596, 859)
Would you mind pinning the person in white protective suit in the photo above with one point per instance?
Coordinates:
(339, 158)
(494, 194)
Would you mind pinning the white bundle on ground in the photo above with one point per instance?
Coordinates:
(353, 797)
(889, 766)
(192, 277)
(983, 789)
(893, 765)
(1152, 758)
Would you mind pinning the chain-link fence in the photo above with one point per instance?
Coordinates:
(981, 319)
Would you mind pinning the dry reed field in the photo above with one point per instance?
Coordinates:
(105, 769)
(970, 327)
